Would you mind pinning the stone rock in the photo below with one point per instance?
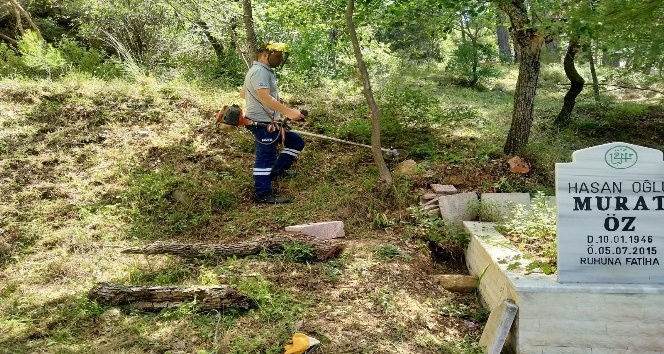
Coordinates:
(444, 189)
(457, 283)
(406, 168)
(321, 230)
(518, 165)
(428, 197)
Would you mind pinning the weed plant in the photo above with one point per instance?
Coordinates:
(533, 230)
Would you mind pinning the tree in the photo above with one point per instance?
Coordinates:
(20, 14)
(502, 36)
(576, 83)
(248, 18)
(528, 41)
(368, 94)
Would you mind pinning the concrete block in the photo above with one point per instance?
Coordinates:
(498, 327)
(321, 230)
(459, 207)
(444, 189)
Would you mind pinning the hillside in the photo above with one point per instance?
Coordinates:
(90, 167)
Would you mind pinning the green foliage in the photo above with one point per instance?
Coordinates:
(297, 251)
(428, 227)
(356, 129)
(390, 252)
(406, 106)
(89, 61)
(474, 64)
(10, 62)
(40, 56)
(533, 230)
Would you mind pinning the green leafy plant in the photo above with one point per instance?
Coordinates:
(449, 235)
(389, 251)
(533, 230)
(39, 55)
(472, 64)
(297, 251)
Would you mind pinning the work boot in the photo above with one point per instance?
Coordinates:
(271, 199)
(286, 174)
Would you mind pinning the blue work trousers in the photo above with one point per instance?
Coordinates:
(267, 164)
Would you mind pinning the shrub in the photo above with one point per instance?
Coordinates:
(472, 64)
(40, 56)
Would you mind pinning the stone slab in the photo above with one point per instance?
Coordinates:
(459, 207)
(427, 197)
(498, 327)
(602, 318)
(609, 204)
(322, 230)
(445, 189)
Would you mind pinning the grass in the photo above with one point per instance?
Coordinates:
(89, 167)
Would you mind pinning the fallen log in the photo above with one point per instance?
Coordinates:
(322, 249)
(155, 298)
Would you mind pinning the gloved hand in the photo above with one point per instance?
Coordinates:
(301, 343)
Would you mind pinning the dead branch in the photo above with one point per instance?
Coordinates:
(155, 298)
(625, 87)
(323, 249)
(7, 39)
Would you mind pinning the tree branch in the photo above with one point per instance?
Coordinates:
(27, 16)
(7, 39)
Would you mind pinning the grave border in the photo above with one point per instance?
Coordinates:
(571, 318)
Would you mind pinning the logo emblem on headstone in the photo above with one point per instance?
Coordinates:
(621, 157)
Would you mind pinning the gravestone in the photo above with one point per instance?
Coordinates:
(610, 205)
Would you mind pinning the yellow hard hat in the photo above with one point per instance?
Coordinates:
(276, 47)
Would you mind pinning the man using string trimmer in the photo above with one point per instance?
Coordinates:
(263, 106)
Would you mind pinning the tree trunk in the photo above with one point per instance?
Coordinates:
(575, 80)
(19, 21)
(528, 44)
(155, 298)
(235, 38)
(593, 73)
(476, 61)
(368, 94)
(249, 27)
(322, 249)
(503, 37)
(217, 46)
(19, 8)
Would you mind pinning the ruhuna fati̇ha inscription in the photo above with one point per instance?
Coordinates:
(610, 202)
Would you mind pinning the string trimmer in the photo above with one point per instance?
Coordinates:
(233, 115)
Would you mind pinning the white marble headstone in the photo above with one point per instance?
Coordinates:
(610, 202)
